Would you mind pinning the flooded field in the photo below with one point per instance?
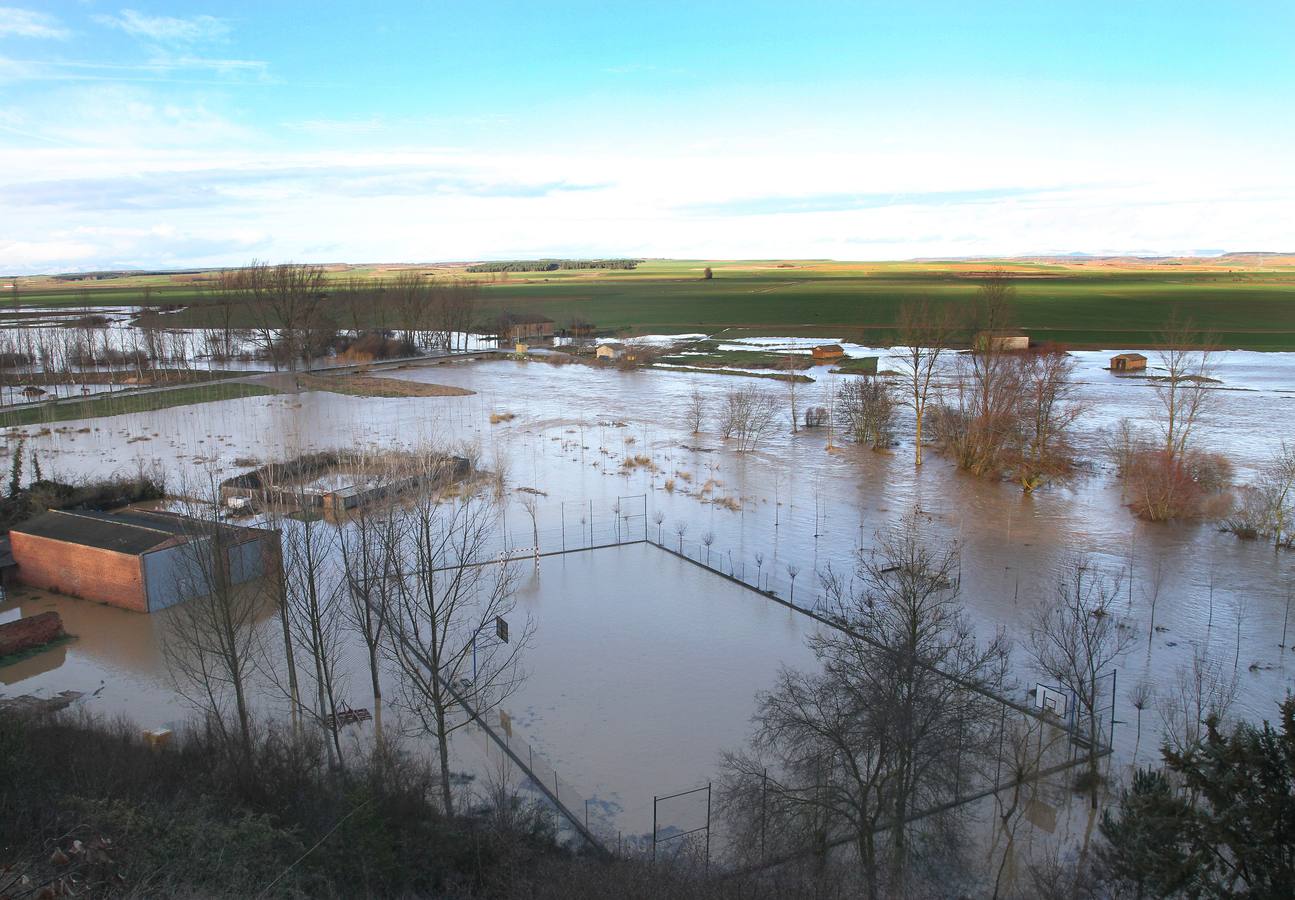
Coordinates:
(600, 708)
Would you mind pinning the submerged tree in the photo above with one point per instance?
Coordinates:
(696, 410)
(925, 333)
(442, 623)
(1076, 641)
(747, 417)
(211, 647)
(1049, 408)
(313, 598)
(1187, 357)
(866, 406)
(895, 722)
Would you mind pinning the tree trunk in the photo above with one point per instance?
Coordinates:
(377, 696)
(443, 745)
(917, 449)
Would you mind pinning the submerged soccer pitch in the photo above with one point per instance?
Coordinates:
(642, 670)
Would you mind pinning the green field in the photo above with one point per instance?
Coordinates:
(1084, 305)
(123, 403)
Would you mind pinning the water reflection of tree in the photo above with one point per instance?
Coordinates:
(896, 722)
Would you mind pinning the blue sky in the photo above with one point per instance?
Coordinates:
(204, 134)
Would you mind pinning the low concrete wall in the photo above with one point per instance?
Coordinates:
(33, 631)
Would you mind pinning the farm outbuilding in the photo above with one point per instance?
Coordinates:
(137, 560)
(610, 351)
(1128, 362)
(986, 341)
(333, 483)
(828, 351)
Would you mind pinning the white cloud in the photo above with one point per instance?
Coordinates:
(16, 22)
(168, 29)
(181, 184)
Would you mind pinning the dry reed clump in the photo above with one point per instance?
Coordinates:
(730, 503)
(496, 418)
(684, 476)
(639, 460)
(669, 485)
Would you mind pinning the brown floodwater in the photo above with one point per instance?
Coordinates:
(792, 502)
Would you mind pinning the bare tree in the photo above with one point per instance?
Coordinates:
(446, 606)
(1187, 357)
(1076, 641)
(747, 416)
(370, 559)
(896, 716)
(211, 647)
(411, 293)
(696, 409)
(1277, 488)
(866, 406)
(924, 333)
(1140, 695)
(981, 423)
(1202, 689)
(1050, 406)
(313, 599)
(286, 302)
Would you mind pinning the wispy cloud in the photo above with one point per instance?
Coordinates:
(176, 69)
(15, 22)
(816, 203)
(209, 187)
(168, 29)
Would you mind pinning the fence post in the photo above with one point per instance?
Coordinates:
(1110, 738)
(653, 829)
(708, 827)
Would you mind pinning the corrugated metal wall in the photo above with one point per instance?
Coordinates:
(174, 574)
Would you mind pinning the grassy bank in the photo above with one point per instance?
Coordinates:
(119, 404)
(372, 386)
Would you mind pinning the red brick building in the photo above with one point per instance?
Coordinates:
(144, 561)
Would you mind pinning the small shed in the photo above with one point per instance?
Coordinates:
(610, 351)
(986, 341)
(137, 560)
(828, 351)
(521, 348)
(1128, 362)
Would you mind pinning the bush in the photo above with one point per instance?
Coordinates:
(193, 820)
(374, 346)
(1190, 485)
(107, 493)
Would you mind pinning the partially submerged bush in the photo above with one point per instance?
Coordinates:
(1189, 485)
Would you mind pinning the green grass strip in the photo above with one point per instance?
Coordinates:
(123, 403)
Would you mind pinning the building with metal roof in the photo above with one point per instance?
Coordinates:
(137, 559)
